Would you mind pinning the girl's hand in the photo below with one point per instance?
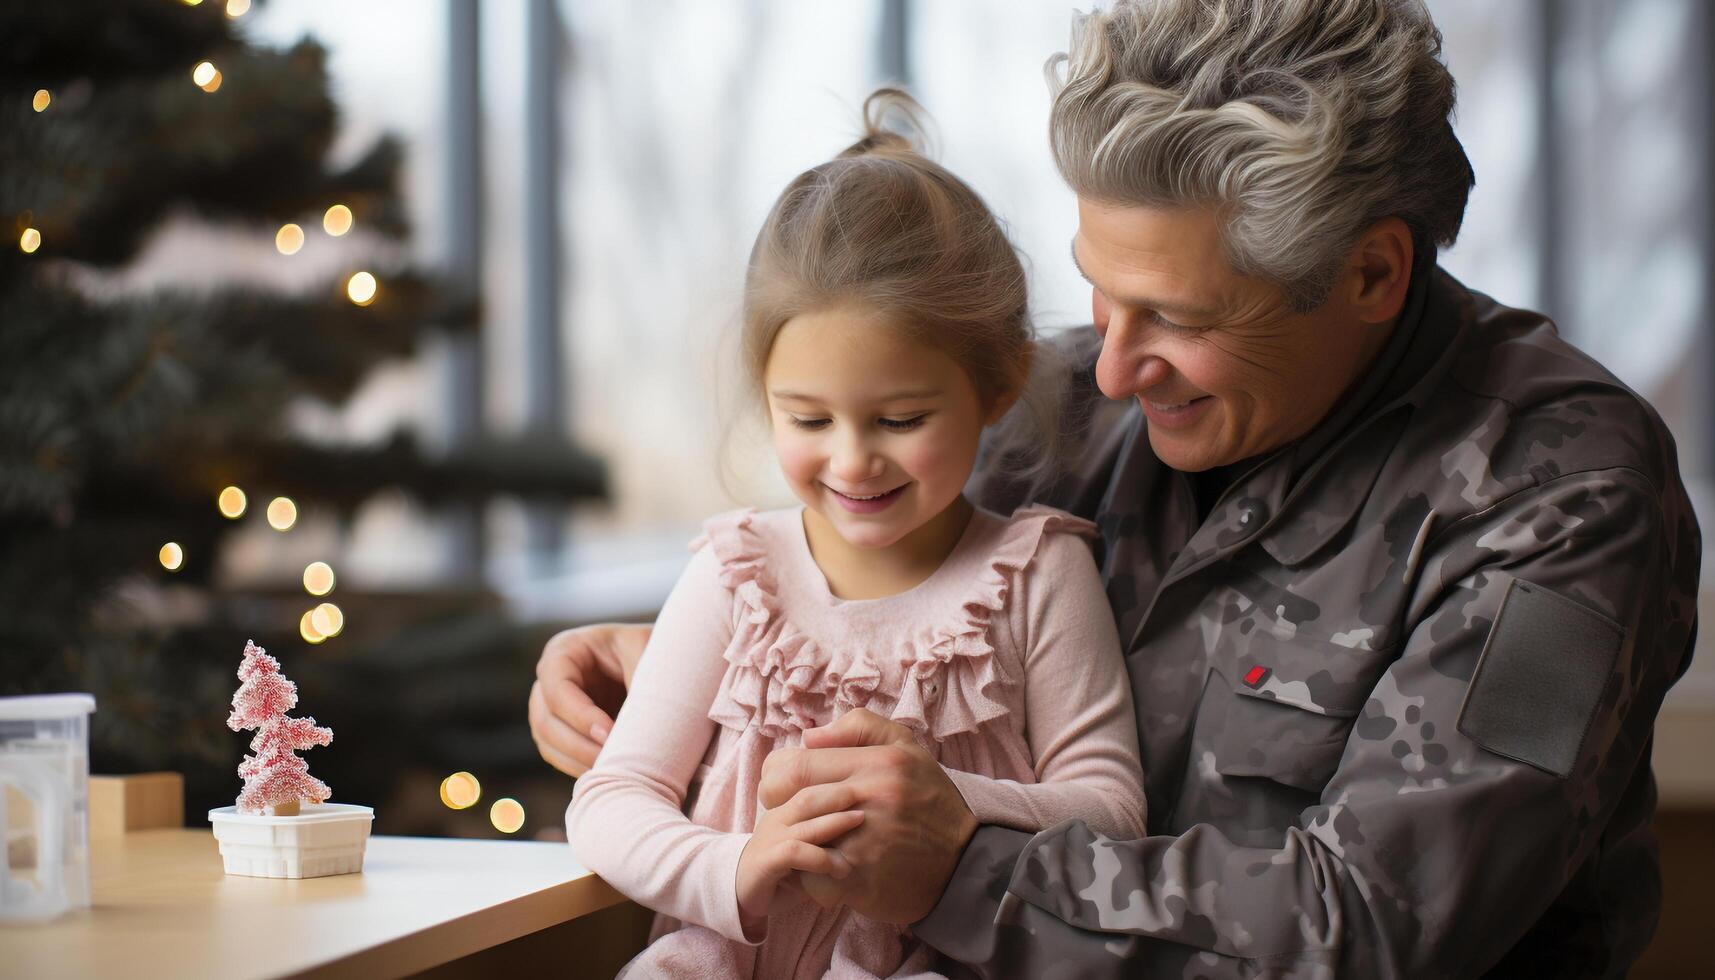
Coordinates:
(918, 823)
(787, 839)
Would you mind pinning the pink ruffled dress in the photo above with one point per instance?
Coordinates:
(1004, 663)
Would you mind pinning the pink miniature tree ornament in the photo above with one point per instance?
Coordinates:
(275, 778)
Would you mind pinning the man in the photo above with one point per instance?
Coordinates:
(1403, 577)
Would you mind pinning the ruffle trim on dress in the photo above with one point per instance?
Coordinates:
(780, 681)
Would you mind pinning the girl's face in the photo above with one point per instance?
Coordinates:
(876, 433)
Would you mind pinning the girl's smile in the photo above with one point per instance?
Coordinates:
(866, 504)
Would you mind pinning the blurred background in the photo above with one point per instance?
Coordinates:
(393, 334)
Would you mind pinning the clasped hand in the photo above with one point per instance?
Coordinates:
(914, 823)
(894, 867)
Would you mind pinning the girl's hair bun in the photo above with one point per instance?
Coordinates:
(886, 230)
(886, 105)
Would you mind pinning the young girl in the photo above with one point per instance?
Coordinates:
(885, 327)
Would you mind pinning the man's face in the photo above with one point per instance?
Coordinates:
(1223, 367)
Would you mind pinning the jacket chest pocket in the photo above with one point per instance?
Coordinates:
(1287, 706)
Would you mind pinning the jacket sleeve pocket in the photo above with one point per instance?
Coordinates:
(1541, 678)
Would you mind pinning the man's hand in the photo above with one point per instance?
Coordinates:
(581, 680)
(915, 822)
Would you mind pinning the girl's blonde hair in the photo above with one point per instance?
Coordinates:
(884, 229)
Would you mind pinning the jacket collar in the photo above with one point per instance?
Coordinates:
(1295, 500)
(1322, 480)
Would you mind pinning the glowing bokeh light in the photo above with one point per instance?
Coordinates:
(507, 815)
(232, 503)
(318, 578)
(30, 240)
(361, 288)
(42, 99)
(172, 556)
(307, 629)
(237, 8)
(213, 84)
(203, 73)
(289, 239)
(327, 619)
(282, 513)
(460, 791)
(337, 221)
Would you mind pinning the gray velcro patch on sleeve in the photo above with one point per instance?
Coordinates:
(1540, 678)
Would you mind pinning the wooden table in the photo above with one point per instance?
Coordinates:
(163, 907)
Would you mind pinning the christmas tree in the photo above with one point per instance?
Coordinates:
(276, 779)
(126, 408)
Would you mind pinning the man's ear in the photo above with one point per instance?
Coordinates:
(1378, 270)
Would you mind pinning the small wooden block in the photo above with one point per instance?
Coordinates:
(144, 801)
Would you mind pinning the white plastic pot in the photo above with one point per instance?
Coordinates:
(321, 839)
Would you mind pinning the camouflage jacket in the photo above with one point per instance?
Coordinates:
(1395, 694)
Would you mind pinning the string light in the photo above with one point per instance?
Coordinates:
(337, 220)
(237, 8)
(289, 239)
(327, 619)
(460, 791)
(172, 556)
(192, 3)
(42, 99)
(318, 578)
(206, 76)
(507, 815)
(30, 240)
(307, 629)
(282, 513)
(232, 503)
(361, 288)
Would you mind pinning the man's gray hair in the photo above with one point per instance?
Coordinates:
(1302, 122)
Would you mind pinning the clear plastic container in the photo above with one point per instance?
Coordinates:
(44, 805)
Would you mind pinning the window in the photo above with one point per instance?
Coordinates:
(680, 121)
